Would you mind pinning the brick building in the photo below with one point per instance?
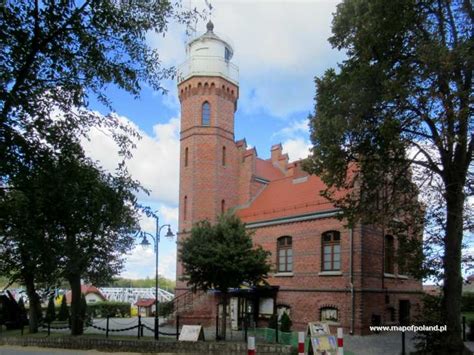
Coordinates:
(323, 271)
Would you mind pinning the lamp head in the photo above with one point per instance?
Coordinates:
(169, 234)
(144, 243)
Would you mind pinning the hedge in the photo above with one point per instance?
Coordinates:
(102, 309)
(468, 302)
(111, 309)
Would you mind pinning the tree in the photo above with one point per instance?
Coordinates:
(50, 311)
(27, 254)
(400, 105)
(286, 323)
(63, 313)
(92, 229)
(222, 256)
(56, 55)
(85, 237)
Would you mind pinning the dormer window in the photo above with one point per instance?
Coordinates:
(227, 54)
(206, 114)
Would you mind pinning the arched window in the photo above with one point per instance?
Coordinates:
(331, 251)
(389, 255)
(206, 114)
(285, 254)
(329, 314)
(222, 206)
(223, 156)
(186, 154)
(185, 207)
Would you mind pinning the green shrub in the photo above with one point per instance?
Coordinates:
(63, 313)
(431, 315)
(50, 311)
(165, 309)
(285, 323)
(111, 309)
(467, 303)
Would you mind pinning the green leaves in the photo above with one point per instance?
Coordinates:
(399, 110)
(222, 256)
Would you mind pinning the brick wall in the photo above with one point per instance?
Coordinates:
(206, 182)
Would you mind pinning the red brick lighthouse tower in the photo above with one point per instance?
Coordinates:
(208, 92)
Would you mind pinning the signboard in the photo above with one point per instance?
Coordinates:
(266, 306)
(318, 329)
(321, 340)
(327, 344)
(191, 333)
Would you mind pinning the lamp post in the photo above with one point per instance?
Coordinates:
(145, 243)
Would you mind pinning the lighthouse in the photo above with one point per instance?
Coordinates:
(208, 92)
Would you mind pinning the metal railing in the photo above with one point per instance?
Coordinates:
(208, 65)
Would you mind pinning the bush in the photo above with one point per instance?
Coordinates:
(165, 309)
(111, 309)
(431, 315)
(63, 313)
(467, 302)
(285, 323)
(50, 311)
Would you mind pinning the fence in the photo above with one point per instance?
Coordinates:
(107, 329)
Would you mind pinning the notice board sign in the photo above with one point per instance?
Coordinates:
(324, 344)
(191, 333)
(321, 340)
(317, 329)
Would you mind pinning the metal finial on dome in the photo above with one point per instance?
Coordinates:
(210, 26)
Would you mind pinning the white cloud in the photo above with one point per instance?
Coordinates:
(294, 129)
(155, 161)
(155, 164)
(141, 262)
(279, 46)
(296, 148)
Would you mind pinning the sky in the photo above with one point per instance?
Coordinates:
(279, 47)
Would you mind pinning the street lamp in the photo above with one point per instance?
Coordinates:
(145, 243)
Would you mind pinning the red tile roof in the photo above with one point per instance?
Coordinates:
(145, 302)
(86, 289)
(287, 197)
(266, 170)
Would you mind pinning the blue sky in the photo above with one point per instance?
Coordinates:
(279, 47)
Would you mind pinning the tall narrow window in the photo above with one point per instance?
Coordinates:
(389, 254)
(222, 206)
(185, 207)
(223, 156)
(331, 259)
(186, 153)
(206, 114)
(285, 254)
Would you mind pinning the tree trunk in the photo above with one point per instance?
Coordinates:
(452, 265)
(77, 323)
(224, 315)
(35, 304)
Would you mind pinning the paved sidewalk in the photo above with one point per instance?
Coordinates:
(377, 344)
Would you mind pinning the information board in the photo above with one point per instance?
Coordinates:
(191, 333)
